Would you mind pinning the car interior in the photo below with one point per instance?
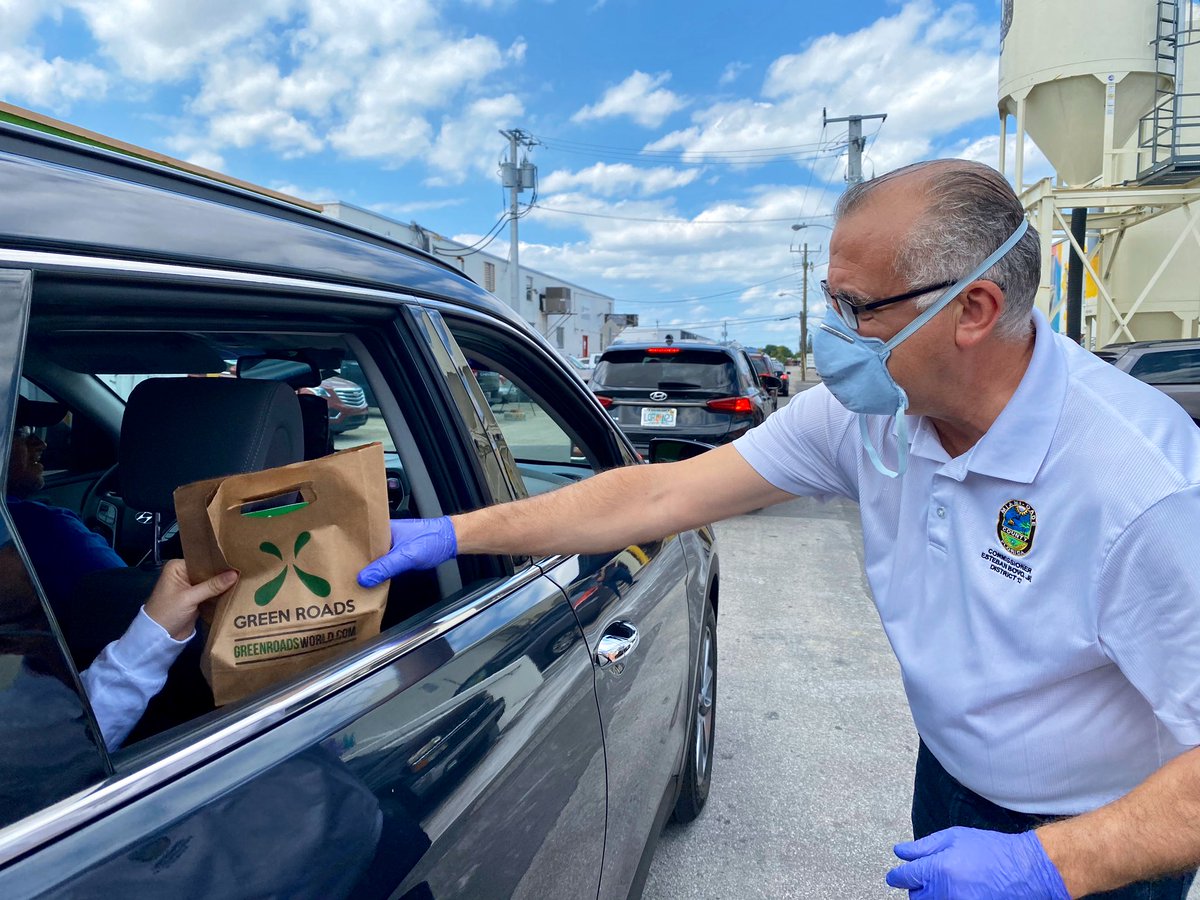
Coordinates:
(156, 399)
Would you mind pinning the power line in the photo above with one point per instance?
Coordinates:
(594, 215)
(788, 147)
(736, 290)
(751, 156)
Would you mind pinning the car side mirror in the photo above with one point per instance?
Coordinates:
(770, 381)
(675, 450)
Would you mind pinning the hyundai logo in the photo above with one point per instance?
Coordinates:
(145, 518)
(658, 396)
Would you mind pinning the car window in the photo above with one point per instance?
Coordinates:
(745, 374)
(1168, 366)
(97, 579)
(554, 434)
(666, 367)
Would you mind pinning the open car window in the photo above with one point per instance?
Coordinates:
(97, 535)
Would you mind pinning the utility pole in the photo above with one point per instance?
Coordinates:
(854, 173)
(517, 177)
(804, 319)
(725, 331)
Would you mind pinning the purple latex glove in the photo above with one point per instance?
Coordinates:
(416, 544)
(970, 864)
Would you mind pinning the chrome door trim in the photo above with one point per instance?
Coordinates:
(69, 262)
(87, 806)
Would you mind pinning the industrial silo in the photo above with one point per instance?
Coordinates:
(1070, 69)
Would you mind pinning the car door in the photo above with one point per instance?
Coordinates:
(634, 602)
(459, 754)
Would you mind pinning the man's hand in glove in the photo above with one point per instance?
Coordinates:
(970, 864)
(416, 544)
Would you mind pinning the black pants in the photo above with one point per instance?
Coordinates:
(939, 801)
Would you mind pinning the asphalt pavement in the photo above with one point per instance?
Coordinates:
(815, 746)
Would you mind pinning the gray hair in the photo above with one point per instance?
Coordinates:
(971, 211)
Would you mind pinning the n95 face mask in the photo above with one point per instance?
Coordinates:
(854, 368)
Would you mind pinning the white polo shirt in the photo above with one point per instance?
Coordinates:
(1042, 590)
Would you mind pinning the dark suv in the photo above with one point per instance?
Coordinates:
(689, 390)
(1172, 366)
(520, 727)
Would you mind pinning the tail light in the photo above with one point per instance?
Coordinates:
(731, 405)
(662, 351)
(606, 402)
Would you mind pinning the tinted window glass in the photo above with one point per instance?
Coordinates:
(48, 746)
(1169, 367)
(48, 749)
(761, 366)
(655, 368)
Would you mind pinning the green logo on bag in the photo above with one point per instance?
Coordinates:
(319, 586)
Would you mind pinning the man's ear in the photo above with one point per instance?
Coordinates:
(980, 307)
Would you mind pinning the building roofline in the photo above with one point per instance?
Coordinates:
(482, 253)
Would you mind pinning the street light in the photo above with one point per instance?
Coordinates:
(797, 227)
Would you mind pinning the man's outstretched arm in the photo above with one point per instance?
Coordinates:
(606, 512)
(620, 507)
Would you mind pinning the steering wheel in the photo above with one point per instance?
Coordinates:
(132, 534)
(97, 488)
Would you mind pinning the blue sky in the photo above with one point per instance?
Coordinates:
(658, 119)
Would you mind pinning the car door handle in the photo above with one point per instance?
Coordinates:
(618, 642)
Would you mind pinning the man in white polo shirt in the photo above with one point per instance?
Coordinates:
(1029, 516)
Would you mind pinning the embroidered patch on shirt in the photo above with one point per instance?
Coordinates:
(1015, 527)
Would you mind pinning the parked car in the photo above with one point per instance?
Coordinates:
(1172, 366)
(351, 370)
(761, 363)
(780, 371)
(690, 390)
(346, 401)
(519, 728)
(581, 369)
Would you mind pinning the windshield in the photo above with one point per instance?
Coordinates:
(679, 369)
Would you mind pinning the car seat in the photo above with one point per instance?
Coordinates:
(176, 431)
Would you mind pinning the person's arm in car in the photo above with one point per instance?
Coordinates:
(606, 512)
(128, 672)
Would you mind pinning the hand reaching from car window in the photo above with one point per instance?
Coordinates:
(175, 601)
(416, 544)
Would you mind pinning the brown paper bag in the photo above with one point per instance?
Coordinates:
(298, 536)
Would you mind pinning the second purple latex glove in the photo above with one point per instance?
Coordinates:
(416, 544)
(971, 864)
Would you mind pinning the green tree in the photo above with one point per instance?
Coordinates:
(779, 352)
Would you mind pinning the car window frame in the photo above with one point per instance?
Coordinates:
(208, 742)
(610, 445)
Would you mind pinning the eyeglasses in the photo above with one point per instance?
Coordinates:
(848, 310)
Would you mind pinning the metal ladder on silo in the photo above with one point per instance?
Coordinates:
(1169, 135)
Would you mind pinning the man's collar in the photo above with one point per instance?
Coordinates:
(1015, 445)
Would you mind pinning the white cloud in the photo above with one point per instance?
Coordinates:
(467, 144)
(732, 72)
(20, 17)
(26, 77)
(620, 178)
(931, 71)
(641, 97)
(168, 41)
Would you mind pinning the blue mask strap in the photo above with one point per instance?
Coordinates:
(901, 447)
(943, 301)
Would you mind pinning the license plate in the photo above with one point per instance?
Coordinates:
(655, 417)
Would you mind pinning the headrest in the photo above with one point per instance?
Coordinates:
(179, 430)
